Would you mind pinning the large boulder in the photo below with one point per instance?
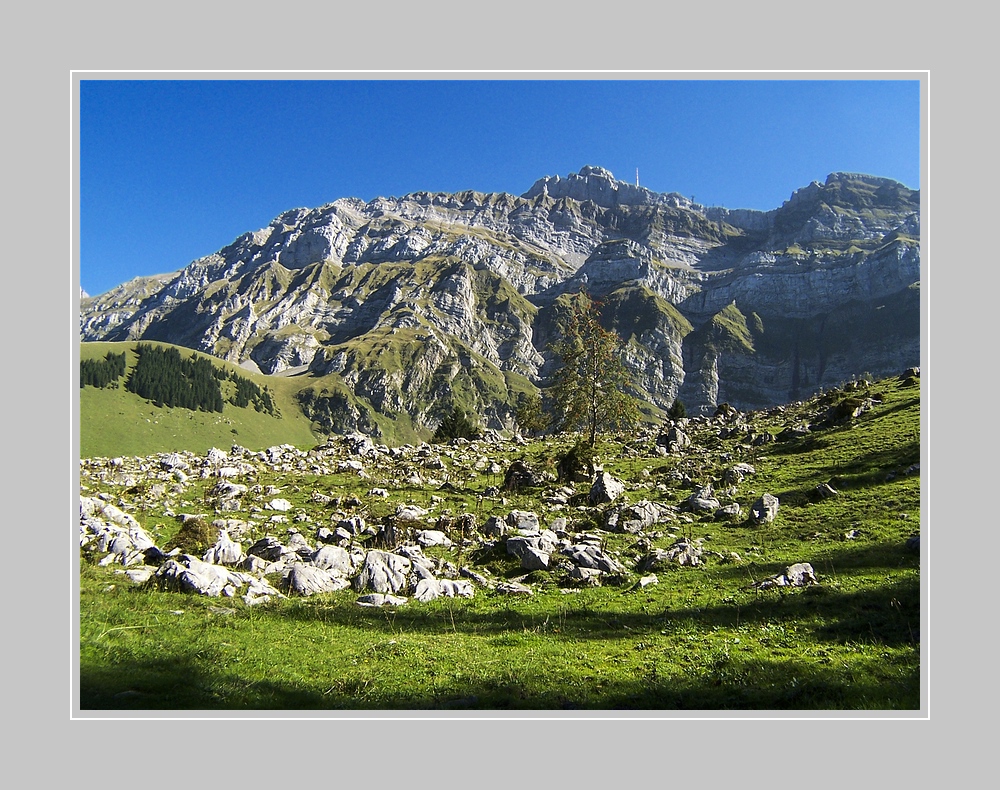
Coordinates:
(306, 579)
(519, 476)
(225, 551)
(605, 489)
(333, 558)
(764, 509)
(585, 555)
(383, 572)
(702, 501)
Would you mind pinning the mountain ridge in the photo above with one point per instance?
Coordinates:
(417, 301)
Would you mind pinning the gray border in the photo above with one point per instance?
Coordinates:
(923, 714)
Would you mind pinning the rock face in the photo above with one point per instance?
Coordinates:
(398, 298)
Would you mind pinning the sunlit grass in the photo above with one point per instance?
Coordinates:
(702, 638)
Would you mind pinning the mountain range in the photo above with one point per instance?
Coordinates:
(395, 310)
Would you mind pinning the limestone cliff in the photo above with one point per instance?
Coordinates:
(405, 305)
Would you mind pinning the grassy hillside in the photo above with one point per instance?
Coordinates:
(116, 422)
(701, 638)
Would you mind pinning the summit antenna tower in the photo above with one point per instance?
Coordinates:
(637, 176)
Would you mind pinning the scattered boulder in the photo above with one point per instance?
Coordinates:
(682, 552)
(420, 563)
(298, 544)
(576, 465)
(824, 491)
(514, 588)
(432, 537)
(139, 575)
(589, 576)
(674, 440)
(172, 461)
(764, 509)
(605, 489)
(729, 512)
(306, 579)
(519, 476)
(726, 413)
(430, 588)
(702, 501)
(333, 558)
(269, 548)
(846, 410)
(735, 474)
(189, 574)
(533, 559)
(523, 520)
(383, 572)
(533, 549)
(800, 574)
(496, 527)
(585, 555)
(411, 513)
(225, 551)
(634, 518)
(793, 432)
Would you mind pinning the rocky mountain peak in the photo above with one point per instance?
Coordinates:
(403, 305)
(597, 185)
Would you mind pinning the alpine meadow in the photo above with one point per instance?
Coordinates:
(587, 448)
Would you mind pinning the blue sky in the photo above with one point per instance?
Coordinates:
(171, 170)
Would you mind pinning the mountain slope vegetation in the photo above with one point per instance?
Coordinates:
(115, 421)
(390, 302)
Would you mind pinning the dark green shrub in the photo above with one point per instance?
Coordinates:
(457, 425)
(196, 536)
(576, 465)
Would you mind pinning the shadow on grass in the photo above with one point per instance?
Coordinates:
(887, 614)
(715, 676)
(724, 681)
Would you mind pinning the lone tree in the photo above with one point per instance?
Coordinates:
(529, 415)
(590, 389)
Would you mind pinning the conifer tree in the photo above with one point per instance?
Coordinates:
(590, 389)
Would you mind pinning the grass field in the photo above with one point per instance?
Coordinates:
(116, 422)
(701, 638)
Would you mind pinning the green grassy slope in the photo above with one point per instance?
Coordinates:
(700, 639)
(116, 422)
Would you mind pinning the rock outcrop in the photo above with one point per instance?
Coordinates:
(398, 298)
